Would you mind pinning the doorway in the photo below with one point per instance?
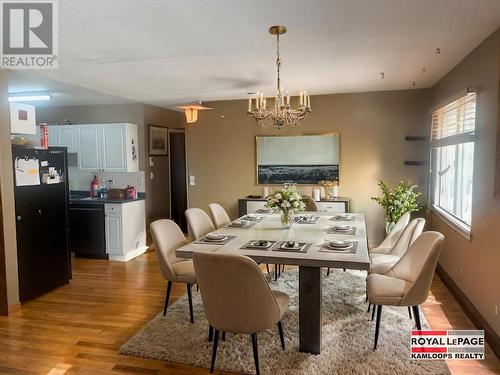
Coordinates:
(178, 177)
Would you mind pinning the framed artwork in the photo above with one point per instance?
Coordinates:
(298, 159)
(158, 140)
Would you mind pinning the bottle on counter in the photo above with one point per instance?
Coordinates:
(94, 187)
(103, 190)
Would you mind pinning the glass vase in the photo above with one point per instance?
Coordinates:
(287, 218)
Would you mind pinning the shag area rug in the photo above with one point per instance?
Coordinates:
(347, 336)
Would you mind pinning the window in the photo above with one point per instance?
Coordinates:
(452, 154)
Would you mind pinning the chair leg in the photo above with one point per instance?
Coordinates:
(416, 315)
(255, 353)
(282, 339)
(190, 300)
(328, 272)
(223, 335)
(377, 324)
(197, 287)
(214, 351)
(210, 333)
(369, 306)
(409, 312)
(373, 312)
(167, 296)
(366, 298)
(275, 272)
(267, 267)
(279, 269)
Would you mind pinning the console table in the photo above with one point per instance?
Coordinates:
(251, 205)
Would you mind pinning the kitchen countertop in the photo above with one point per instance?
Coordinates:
(76, 198)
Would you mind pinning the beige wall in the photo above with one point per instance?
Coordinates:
(136, 113)
(7, 191)
(474, 265)
(372, 126)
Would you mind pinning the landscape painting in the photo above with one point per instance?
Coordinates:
(305, 159)
(298, 174)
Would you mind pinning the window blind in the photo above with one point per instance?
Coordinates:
(458, 117)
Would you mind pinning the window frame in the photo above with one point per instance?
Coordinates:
(459, 225)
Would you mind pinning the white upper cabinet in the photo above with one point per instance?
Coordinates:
(100, 147)
(67, 137)
(89, 147)
(114, 154)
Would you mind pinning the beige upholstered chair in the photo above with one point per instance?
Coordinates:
(382, 262)
(407, 283)
(237, 298)
(219, 215)
(311, 205)
(199, 223)
(168, 237)
(393, 237)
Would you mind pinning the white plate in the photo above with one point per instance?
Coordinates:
(215, 237)
(253, 217)
(339, 244)
(239, 223)
(341, 228)
(339, 248)
(264, 210)
(343, 216)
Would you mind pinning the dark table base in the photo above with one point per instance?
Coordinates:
(310, 309)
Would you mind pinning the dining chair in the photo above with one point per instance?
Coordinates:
(407, 283)
(199, 223)
(219, 215)
(392, 238)
(237, 298)
(311, 205)
(167, 237)
(382, 262)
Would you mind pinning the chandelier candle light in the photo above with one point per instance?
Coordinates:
(281, 113)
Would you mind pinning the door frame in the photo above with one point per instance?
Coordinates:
(174, 130)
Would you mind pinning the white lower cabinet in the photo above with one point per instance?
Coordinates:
(125, 230)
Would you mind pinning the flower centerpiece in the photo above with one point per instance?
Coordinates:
(286, 201)
(396, 203)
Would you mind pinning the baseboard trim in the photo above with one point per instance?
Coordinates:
(470, 310)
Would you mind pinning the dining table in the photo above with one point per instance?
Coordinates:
(311, 261)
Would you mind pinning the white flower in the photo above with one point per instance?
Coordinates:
(278, 196)
(285, 204)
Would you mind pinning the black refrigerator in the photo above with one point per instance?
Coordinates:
(41, 199)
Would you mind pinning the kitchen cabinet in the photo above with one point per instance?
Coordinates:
(125, 226)
(100, 147)
(89, 150)
(108, 147)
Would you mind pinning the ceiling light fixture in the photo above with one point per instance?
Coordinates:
(191, 112)
(282, 113)
(30, 96)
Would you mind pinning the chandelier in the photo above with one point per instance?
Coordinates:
(281, 113)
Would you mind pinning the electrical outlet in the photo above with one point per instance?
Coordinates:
(192, 181)
(496, 309)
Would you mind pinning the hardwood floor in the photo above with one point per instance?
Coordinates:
(78, 328)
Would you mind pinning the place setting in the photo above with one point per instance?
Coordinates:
(306, 219)
(339, 246)
(258, 245)
(342, 217)
(292, 246)
(342, 229)
(241, 223)
(215, 239)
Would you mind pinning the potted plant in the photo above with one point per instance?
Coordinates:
(397, 202)
(286, 201)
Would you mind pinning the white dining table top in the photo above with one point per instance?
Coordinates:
(270, 228)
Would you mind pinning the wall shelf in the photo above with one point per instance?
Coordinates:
(417, 162)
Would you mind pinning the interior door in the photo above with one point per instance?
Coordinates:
(178, 177)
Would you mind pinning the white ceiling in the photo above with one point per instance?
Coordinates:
(177, 51)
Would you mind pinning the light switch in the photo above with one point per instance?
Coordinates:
(192, 181)
(151, 161)
(151, 175)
